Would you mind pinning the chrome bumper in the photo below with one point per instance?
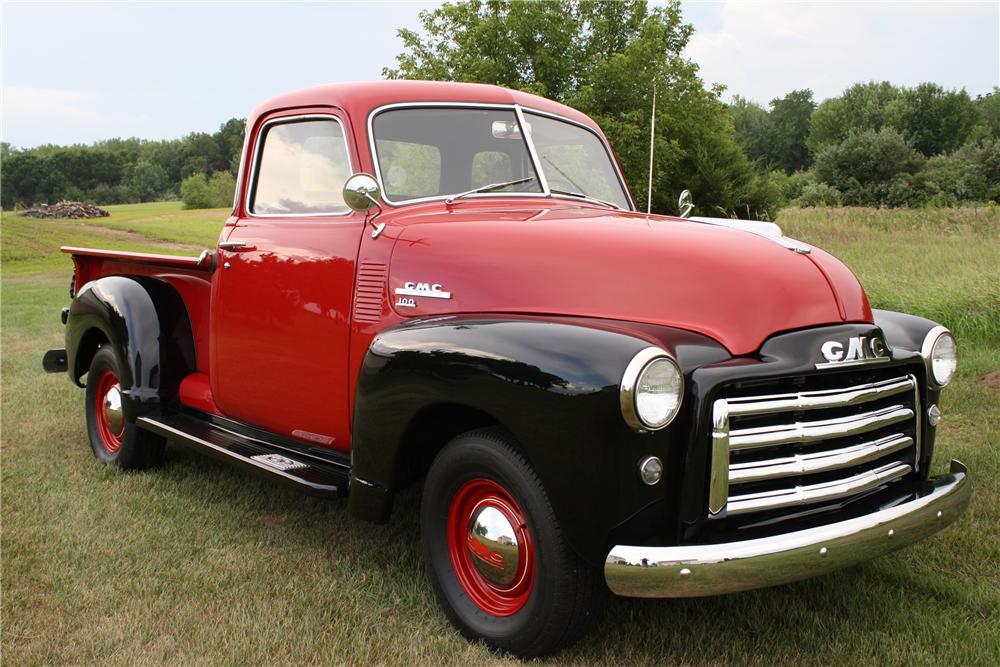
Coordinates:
(711, 569)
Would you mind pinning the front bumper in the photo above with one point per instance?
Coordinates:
(711, 569)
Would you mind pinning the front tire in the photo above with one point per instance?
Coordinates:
(114, 439)
(495, 555)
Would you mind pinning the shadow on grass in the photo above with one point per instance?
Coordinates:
(858, 610)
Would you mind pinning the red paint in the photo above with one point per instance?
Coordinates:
(110, 438)
(556, 257)
(491, 598)
(277, 335)
(196, 392)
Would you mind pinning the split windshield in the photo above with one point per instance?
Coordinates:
(446, 151)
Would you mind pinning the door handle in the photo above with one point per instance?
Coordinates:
(236, 246)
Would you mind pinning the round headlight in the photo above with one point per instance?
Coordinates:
(941, 354)
(651, 391)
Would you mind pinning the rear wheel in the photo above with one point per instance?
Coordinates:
(495, 554)
(113, 439)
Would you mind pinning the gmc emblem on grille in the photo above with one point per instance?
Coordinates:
(860, 350)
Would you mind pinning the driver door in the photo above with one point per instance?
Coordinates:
(281, 301)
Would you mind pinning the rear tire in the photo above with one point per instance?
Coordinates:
(113, 439)
(495, 554)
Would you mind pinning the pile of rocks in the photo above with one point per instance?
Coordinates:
(66, 209)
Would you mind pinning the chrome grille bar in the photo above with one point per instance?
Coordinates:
(888, 453)
(813, 462)
(802, 495)
(797, 432)
(808, 400)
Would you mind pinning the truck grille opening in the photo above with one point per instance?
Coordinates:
(812, 439)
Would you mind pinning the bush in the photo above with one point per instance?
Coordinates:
(198, 191)
(869, 168)
(970, 174)
(817, 194)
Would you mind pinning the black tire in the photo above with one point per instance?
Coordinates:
(566, 595)
(125, 446)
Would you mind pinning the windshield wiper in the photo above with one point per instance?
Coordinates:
(585, 197)
(488, 188)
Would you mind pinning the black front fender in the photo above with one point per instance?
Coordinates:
(145, 322)
(554, 385)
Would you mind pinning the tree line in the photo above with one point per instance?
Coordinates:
(124, 171)
(877, 144)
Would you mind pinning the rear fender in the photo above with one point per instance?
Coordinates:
(145, 322)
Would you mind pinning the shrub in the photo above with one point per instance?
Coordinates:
(817, 194)
(867, 166)
(199, 191)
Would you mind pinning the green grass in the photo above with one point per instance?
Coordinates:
(199, 563)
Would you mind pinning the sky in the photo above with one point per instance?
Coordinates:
(79, 72)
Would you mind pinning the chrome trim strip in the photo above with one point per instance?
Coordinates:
(718, 481)
(532, 151)
(487, 105)
(799, 432)
(814, 462)
(712, 569)
(848, 364)
(258, 144)
(812, 493)
(827, 398)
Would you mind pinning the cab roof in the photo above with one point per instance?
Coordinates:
(359, 98)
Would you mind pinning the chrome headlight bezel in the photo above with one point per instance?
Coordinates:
(931, 340)
(628, 394)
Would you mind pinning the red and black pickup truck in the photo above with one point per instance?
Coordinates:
(452, 283)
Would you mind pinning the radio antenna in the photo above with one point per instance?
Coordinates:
(652, 130)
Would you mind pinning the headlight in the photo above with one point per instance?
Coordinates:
(941, 356)
(651, 390)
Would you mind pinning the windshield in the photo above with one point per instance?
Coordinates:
(575, 160)
(431, 152)
(434, 152)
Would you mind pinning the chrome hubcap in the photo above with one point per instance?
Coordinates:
(493, 545)
(113, 409)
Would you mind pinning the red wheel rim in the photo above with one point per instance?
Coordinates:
(108, 410)
(490, 547)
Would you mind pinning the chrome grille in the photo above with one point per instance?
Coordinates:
(784, 449)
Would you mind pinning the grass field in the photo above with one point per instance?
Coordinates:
(199, 563)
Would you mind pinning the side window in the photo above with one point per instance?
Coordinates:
(491, 167)
(301, 170)
(411, 169)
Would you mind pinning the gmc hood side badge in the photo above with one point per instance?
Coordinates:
(860, 350)
(410, 289)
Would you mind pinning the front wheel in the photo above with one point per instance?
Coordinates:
(495, 554)
(113, 439)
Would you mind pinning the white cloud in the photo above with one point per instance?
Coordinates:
(764, 50)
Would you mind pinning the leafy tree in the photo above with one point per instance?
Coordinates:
(146, 181)
(988, 108)
(932, 119)
(200, 191)
(752, 126)
(788, 128)
(861, 107)
(603, 58)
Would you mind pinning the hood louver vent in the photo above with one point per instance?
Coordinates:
(369, 295)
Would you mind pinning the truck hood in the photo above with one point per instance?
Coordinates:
(732, 285)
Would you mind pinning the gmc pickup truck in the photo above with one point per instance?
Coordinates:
(451, 283)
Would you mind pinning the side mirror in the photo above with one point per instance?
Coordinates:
(684, 204)
(361, 192)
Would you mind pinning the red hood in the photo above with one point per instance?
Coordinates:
(737, 287)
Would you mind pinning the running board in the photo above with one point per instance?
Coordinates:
(316, 478)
